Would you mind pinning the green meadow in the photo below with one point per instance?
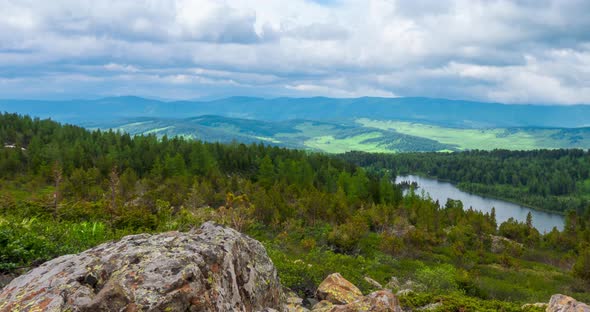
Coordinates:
(488, 139)
(379, 136)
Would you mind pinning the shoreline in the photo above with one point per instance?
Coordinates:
(513, 201)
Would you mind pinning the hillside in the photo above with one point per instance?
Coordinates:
(64, 189)
(328, 137)
(333, 125)
(442, 112)
(359, 135)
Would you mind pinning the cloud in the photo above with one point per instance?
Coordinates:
(318, 31)
(121, 68)
(509, 51)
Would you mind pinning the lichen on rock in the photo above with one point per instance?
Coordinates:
(214, 269)
(338, 290)
(339, 295)
(563, 303)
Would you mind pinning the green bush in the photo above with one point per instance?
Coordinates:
(438, 279)
(581, 268)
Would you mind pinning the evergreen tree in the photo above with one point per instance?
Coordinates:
(266, 173)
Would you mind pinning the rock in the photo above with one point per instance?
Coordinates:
(393, 284)
(430, 307)
(373, 282)
(214, 269)
(295, 308)
(379, 301)
(562, 303)
(293, 302)
(337, 290)
(403, 229)
(500, 244)
(322, 306)
(411, 285)
(5, 279)
(292, 297)
(404, 292)
(309, 302)
(541, 305)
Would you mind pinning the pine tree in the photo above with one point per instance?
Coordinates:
(529, 220)
(493, 218)
(266, 173)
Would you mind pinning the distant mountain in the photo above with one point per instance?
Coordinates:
(362, 134)
(332, 125)
(441, 112)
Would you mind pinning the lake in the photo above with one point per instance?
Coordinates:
(441, 191)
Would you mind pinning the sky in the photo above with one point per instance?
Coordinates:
(521, 51)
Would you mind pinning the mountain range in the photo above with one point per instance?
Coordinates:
(332, 125)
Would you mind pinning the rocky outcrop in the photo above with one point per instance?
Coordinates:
(339, 295)
(499, 244)
(562, 303)
(213, 269)
(323, 306)
(430, 307)
(373, 282)
(379, 301)
(338, 290)
(293, 302)
(393, 284)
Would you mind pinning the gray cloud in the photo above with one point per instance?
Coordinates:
(512, 51)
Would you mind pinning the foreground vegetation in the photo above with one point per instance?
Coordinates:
(65, 189)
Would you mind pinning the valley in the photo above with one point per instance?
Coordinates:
(332, 125)
(381, 136)
(295, 156)
(68, 189)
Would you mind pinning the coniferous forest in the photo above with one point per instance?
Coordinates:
(552, 180)
(64, 189)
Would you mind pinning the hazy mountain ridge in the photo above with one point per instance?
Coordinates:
(449, 113)
(332, 125)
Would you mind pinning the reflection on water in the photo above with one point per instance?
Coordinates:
(441, 191)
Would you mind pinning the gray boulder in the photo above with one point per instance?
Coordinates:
(213, 269)
(563, 303)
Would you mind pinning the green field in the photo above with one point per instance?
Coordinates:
(384, 136)
(326, 137)
(488, 139)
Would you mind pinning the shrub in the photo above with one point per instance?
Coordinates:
(438, 278)
(581, 268)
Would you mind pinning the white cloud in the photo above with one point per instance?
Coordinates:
(121, 68)
(513, 51)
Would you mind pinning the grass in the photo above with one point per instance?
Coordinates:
(387, 136)
(487, 139)
(464, 138)
(330, 144)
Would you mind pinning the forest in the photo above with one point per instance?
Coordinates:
(64, 189)
(553, 180)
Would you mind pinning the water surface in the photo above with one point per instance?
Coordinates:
(441, 191)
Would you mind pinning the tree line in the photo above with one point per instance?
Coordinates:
(556, 180)
(65, 188)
